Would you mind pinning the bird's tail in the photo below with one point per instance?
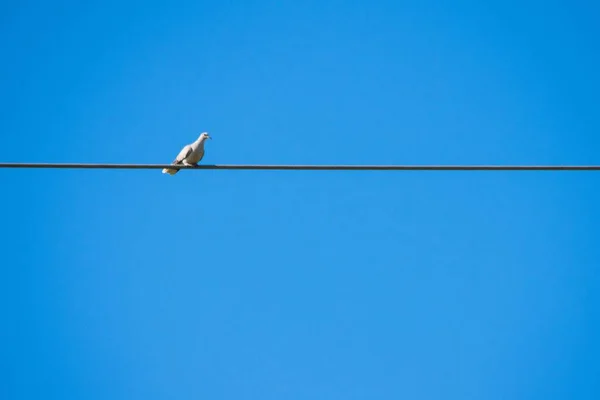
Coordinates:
(170, 171)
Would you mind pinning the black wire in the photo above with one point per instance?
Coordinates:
(313, 167)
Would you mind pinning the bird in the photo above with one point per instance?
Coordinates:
(190, 155)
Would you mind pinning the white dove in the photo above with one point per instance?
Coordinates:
(190, 155)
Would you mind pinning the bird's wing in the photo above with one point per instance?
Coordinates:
(186, 151)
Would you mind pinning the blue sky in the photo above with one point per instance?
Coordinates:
(299, 284)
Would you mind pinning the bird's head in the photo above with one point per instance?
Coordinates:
(204, 136)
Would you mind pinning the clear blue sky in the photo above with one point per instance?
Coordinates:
(300, 285)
